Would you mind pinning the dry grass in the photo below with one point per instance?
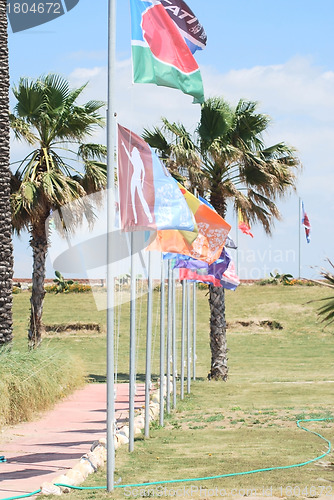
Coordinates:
(32, 381)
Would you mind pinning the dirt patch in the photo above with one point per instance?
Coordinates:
(72, 328)
(253, 324)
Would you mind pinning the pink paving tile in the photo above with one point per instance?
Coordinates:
(40, 451)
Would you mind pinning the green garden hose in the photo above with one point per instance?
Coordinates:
(83, 488)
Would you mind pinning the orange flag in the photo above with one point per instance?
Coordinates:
(212, 233)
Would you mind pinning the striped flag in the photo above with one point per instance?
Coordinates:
(159, 53)
(306, 224)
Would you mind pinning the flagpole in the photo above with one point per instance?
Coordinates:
(194, 330)
(183, 335)
(132, 375)
(148, 348)
(169, 329)
(162, 342)
(237, 241)
(188, 338)
(112, 165)
(174, 340)
(299, 237)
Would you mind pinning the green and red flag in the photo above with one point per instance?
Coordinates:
(160, 54)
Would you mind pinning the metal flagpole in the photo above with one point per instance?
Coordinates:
(237, 242)
(148, 348)
(174, 340)
(112, 164)
(183, 336)
(162, 342)
(299, 236)
(194, 330)
(169, 331)
(132, 373)
(188, 340)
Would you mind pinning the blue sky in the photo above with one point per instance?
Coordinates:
(277, 53)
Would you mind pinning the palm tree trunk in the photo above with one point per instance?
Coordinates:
(218, 343)
(218, 340)
(6, 246)
(39, 245)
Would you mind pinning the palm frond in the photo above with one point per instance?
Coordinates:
(216, 120)
(92, 151)
(156, 139)
(328, 309)
(22, 130)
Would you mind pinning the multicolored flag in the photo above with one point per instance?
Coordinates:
(243, 225)
(186, 262)
(193, 275)
(149, 197)
(306, 224)
(159, 53)
(230, 280)
(212, 233)
(222, 276)
(188, 24)
(218, 268)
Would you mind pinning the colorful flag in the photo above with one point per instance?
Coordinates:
(212, 233)
(230, 280)
(218, 268)
(223, 276)
(306, 224)
(243, 224)
(149, 197)
(159, 53)
(188, 24)
(192, 275)
(186, 262)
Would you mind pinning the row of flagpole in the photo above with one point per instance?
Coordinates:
(168, 342)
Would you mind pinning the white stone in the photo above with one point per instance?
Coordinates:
(50, 489)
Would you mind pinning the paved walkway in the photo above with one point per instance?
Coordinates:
(42, 450)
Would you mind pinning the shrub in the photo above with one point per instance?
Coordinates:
(32, 381)
(74, 288)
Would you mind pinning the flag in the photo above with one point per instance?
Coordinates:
(159, 53)
(149, 197)
(306, 224)
(230, 243)
(218, 268)
(187, 23)
(243, 224)
(215, 269)
(212, 233)
(223, 276)
(192, 275)
(186, 262)
(230, 280)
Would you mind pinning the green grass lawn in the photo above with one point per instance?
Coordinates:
(276, 377)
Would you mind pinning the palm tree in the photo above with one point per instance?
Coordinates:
(327, 310)
(6, 247)
(48, 117)
(226, 159)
